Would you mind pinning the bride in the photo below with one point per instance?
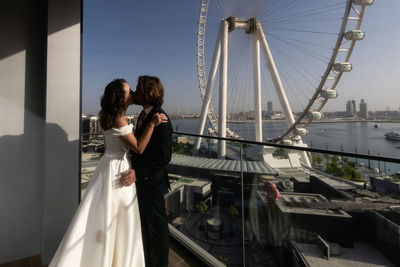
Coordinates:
(105, 230)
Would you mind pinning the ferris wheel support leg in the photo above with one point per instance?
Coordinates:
(278, 86)
(275, 76)
(257, 88)
(223, 90)
(209, 89)
(305, 158)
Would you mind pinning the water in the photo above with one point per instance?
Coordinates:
(334, 136)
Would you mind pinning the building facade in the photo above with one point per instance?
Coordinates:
(351, 108)
(363, 109)
(269, 108)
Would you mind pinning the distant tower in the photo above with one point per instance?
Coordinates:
(85, 125)
(269, 108)
(350, 108)
(363, 109)
(94, 125)
(353, 103)
(131, 119)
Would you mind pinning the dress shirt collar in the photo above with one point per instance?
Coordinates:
(148, 109)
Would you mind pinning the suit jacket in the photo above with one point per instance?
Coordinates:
(151, 166)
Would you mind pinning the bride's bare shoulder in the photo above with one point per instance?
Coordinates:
(120, 121)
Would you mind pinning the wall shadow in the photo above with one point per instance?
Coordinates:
(13, 14)
(32, 192)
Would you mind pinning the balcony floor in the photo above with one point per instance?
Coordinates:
(178, 257)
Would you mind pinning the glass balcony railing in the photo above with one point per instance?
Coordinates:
(266, 204)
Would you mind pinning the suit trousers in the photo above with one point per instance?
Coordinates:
(155, 231)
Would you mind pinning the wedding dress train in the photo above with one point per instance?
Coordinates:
(105, 230)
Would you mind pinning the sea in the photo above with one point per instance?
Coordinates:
(359, 137)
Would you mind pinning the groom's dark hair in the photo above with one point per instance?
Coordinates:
(151, 90)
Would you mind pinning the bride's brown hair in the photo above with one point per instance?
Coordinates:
(112, 103)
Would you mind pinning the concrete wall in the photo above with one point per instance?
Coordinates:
(387, 238)
(39, 159)
(62, 122)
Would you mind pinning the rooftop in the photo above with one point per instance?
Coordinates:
(258, 167)
(302, 203)
(362, 254)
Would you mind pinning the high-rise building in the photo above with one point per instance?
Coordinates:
(363, 109)
(131, 119)
(351, 108)
(269, 108)
(95, 124)
(85, 125)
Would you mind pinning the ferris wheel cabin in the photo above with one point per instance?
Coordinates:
(329, 93)
(315, 115)
(342, 66)
(354, 35)
(363, 2)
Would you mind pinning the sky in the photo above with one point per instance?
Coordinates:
(128, 38)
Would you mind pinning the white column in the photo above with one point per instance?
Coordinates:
(257, 88)
(209, 89)
(275, 76)
(223, 90)
(63, 115)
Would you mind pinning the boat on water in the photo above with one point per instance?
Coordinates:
(393, 135)
(376, 126)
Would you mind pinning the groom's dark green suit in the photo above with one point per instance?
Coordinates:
(151, 185)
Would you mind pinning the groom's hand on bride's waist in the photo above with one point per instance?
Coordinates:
(127, 178)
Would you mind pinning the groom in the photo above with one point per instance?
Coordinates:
(151, 174)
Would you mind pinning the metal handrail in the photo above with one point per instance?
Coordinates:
(316, 150)
(308, 149)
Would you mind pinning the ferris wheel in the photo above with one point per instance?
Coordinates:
(306, 48)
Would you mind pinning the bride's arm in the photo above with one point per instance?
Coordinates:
(139, 145)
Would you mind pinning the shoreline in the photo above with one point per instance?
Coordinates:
(320, 121)
(316, 121)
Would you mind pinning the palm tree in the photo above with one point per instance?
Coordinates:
(233, 212)
(202, 208)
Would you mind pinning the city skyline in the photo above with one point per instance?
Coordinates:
(269, 109)
(152, 50)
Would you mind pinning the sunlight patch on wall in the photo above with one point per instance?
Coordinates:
(63, 80)
(12, 94)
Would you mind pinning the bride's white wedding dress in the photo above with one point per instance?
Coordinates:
(105, 230)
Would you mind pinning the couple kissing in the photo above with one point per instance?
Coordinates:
(121, 220)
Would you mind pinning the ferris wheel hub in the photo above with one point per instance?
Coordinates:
(240, 23)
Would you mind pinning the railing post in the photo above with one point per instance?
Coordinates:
(242, 197)
(369, 162)
(379, 165)
(355, 151)
(384, 167)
